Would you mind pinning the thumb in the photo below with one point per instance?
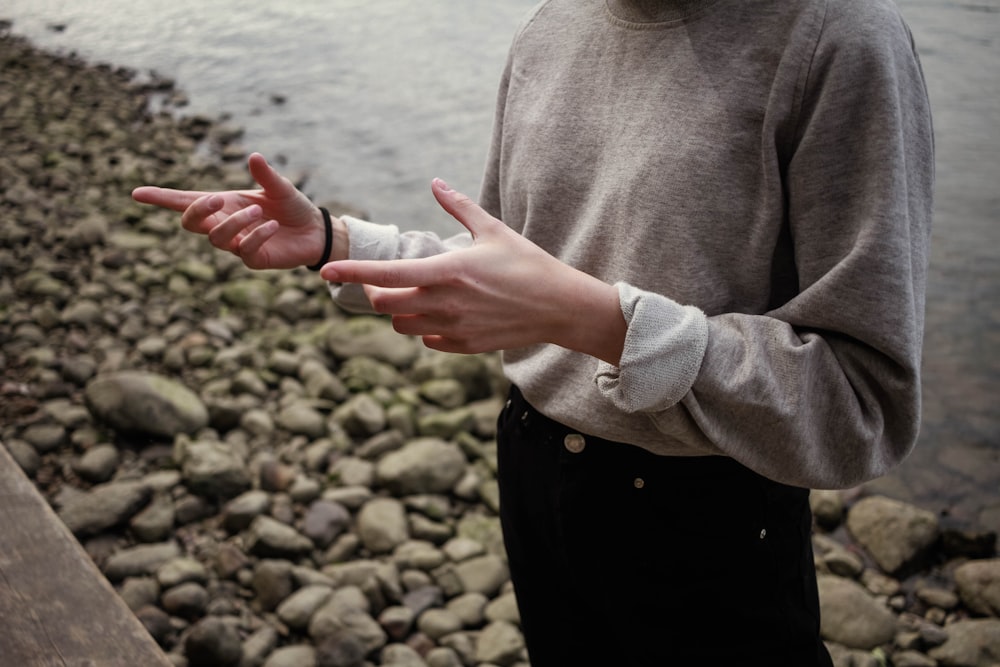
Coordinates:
(274, 184)
(463, 209)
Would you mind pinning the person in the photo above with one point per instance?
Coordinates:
(701, 246)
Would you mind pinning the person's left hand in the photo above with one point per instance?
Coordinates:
(503, 292)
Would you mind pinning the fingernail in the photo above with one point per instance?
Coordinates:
(442, 185)
(215, 201)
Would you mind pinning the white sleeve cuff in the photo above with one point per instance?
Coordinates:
(368, 240)
(664, 347)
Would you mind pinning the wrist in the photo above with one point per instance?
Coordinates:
(327, 247)
(595, 325)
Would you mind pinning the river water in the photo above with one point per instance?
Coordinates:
(373, 99)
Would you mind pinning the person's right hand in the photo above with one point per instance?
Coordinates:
(276, 227)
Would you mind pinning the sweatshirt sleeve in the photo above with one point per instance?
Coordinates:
(369, 240)
(823, 391)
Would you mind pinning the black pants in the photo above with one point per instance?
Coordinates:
(622, 557)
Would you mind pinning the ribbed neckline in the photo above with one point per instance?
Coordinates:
(655, 13)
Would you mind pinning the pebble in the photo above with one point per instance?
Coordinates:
(103, 507)
(213, 643)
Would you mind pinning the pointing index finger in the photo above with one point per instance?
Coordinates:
(175, 200)
(386, 273)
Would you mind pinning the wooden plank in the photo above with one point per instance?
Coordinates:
(56, 608)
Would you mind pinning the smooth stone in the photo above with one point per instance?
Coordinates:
(499, 643)
(155, 522)
(212, 468)
(894, 533)
(134, 401)
(104, 507)
(213, 643)
(978, 584)
(144, 559)
(272, 582)
(269, 538)
(425, 465)
(244, 508)
(850, 616)
(372, 337)
(436, 623)
(98, 463)
(971, 643)
(324, 521)
(297, 609)
(299, 655)
(382, 524)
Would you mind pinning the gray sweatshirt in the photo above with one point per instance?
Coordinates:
(755, 176)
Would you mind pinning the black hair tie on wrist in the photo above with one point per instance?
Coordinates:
(328, 244)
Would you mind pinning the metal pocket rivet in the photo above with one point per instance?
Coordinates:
(575, 442)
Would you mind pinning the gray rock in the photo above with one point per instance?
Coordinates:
(269, 538)
(258, 646)
(401, 655)
(137, 592)
(446, 424)
(212, 469)
(425, 465)
(187, 600)
(353, 471)
(912, 659)
(372, 337)
(300, 418)
(443, 657)
(97, 464)
(484, 574)
(147, 403)
(272, 582)
(297, 609)
(503, 608)
(500, 643)
(345, 618)
(382, 525)
(25, 456)
(244, 508)
(180, 571)
(144, 559)
(827, 506)
(446, 392)
(364, 374)
(971, 643)
(893, 532)
(361, 415)
(397, 621)
(849, 615)
(248, 293)
(104, 507)
(324, 521)
(472, 371)
(45, 438)
(213, 643)
(978, 584)
(436, 623)
(156, 521)
(299, 655)
(156, 621)
(257, 422)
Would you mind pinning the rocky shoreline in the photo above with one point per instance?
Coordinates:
(267, 480)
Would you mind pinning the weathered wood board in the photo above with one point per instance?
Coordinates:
(56, 608)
